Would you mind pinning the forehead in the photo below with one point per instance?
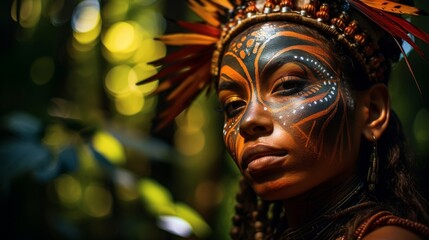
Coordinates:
(275, 34)
(275, 43)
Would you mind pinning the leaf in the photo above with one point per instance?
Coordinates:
(101, 158)
(156, 198)
(200, 227)
(18, 157)
(22, 125)
(67, 162)
(108, 146)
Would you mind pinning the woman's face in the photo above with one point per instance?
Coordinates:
(289, 119)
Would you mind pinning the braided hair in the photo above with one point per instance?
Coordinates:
(396, 190)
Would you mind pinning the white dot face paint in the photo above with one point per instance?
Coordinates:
(285, 94)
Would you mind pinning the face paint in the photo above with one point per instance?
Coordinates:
(286, 110)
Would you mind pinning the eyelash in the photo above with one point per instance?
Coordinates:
(239, 104)
(290, 85)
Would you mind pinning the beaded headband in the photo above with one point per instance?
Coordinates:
(187, 72)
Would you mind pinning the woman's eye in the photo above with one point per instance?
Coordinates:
(232, 108)
(289, 86)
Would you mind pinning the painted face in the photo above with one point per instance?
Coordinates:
(288, 115)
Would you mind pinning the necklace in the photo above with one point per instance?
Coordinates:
(324, 226)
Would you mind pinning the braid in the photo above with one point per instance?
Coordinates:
(254, 218)
(246, 204)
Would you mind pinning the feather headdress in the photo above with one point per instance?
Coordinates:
(186, 73)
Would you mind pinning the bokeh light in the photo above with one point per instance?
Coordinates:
(121, 80)
(29, 12)
(55, 136)
(189, 143)
(42, 70)
(175, 225)
(143, 71)
(115, 10)
(152, 21)
(189, 138)
(208, 194)
(97, 200)
(191, 120)
(149, 50)
(87, 57)
(109, 147)
(86, 16)
(55, 12)
(86, 22)
(121, 40)
(130, 104)
(68, 189)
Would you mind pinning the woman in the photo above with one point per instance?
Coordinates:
(307, 115)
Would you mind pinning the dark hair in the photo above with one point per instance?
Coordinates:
(396, 189)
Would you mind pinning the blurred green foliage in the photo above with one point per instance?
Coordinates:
(78, 159)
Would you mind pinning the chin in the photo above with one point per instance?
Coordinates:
(272, 191)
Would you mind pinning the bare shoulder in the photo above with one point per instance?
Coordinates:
(392, 233)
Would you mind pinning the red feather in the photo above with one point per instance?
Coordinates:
(186, 94)
(397, 27)
(409, 67)
(394, 25)
(173, 66)
(200, 28)
(183, 52)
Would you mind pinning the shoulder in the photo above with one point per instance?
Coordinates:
(391, 233)
(385, 225)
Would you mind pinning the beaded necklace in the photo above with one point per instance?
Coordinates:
(329, 224)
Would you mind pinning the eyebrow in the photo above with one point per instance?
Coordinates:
(228, 84)
(272, 66)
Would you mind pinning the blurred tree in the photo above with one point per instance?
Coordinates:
(78, 159)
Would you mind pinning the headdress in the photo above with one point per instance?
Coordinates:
(184, 74)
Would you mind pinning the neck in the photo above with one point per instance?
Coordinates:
(302, 209)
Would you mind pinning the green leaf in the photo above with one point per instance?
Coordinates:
(156, 198)
(200, 227)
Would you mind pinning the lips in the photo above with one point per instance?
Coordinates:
(260, 158)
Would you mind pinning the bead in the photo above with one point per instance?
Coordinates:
(239, 208)
(259, 236)
(239, 16)
(324, 7)
(341, 21)
(368, 50)
(286, 3)
(231, 24)
(375, 61)
(360, 38)
(351, 28)
(236, 219)
(310, 9)
(234, 231)
(338, 22)
(255, 214)
(323, 13)
(269, 4)
(251, 8)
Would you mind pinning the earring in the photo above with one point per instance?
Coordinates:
(372, 176)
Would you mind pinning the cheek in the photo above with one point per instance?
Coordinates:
(318, 120)
(231, 135)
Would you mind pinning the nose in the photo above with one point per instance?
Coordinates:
(256, 121)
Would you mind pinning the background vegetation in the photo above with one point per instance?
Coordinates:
(78, 158)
